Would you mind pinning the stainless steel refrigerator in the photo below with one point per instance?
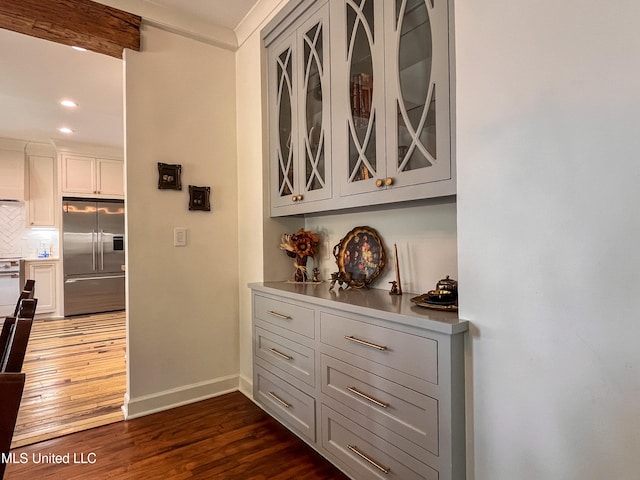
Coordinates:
(93, 255)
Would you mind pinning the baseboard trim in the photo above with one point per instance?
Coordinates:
(246, 386)
(176, 397)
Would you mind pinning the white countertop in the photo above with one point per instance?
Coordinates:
(40, 259)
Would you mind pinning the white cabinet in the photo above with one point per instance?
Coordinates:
(299, 114)
(45, 275)
(42, 191)
(373, 383)
(11, 170)
(91, 177)
(110, 177)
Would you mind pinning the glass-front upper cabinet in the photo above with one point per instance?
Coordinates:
(391, 90)
(283, 115)
(360, 115)
(418, 106)
(299, 104)
(358, 60)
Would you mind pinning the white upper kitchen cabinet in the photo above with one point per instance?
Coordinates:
(110, 177)
(41, 195)
(85, 176)
(11, 170)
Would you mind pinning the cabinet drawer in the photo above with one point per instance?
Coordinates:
(411, 354)
(410, 414)
(284, 314)
(288, 404)
(289, 356)
(367, 454)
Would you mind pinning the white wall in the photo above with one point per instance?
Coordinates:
(425, 236)
(258, 235)
(183, 301)
(546, 128)
(250, 192)
(548, 235)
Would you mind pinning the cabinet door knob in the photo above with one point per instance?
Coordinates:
(379, 183)
(388, 181)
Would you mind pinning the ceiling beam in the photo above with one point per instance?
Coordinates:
(82, 23)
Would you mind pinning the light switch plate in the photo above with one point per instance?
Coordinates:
(179, 237)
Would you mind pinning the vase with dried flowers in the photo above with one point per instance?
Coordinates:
(300, 245)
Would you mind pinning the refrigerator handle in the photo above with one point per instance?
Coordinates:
(94, 236)
(101, 248)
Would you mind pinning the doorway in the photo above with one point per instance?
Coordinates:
(75, 366)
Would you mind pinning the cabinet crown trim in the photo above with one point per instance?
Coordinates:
(284, 18)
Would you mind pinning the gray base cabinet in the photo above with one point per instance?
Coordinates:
(369, 380)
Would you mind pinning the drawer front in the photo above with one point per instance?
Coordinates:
(287, 355)
(285, 402)
(411, 354)
(369, 455)
(284, 314)
(410, 414)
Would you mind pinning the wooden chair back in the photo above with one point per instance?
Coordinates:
(13, 347)
(11, 387)
(9, 322)
(27, 292)
(19, 329)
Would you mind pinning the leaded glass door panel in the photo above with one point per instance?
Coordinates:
(359, 82)
(418, 130)
(283, 121)
(314, 99)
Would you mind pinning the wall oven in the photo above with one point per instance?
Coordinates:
(9, 285)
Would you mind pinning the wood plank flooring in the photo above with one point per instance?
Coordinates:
(76, 376)
(226, 438)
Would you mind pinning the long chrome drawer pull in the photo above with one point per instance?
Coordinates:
(364, 342)
(280, 354)
(367, 397)
(279, 315)
(380, 467)
(279, 400)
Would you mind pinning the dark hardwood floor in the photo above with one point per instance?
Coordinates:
(227, 437)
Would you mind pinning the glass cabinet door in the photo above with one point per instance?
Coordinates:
(299, 96)
(359, 57)
(418, 142)
(314, 100)
(282, 120)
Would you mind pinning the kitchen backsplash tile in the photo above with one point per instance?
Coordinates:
(18, 241)
(12, 221)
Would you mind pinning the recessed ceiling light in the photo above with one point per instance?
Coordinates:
(68, 103)
(66, 130)
(79, 49)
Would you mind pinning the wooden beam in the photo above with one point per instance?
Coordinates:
(82, 23)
